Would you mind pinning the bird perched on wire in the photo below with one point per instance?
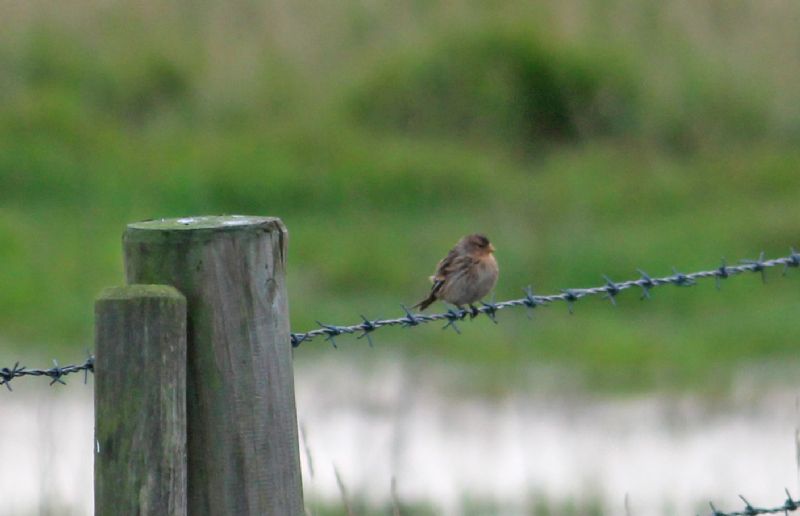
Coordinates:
(465, 275)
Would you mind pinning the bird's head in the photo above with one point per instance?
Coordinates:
(477, 243)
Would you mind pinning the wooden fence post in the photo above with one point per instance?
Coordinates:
(140, 401)
(242, 444)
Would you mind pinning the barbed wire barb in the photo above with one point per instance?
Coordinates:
(611, 290)
(681, 279)
(56, 373)
(722, 273)
(758, 266)
(452, 317)
(367, 327)
(490, 309)
(529, 301)
(8, 374)
(570, 297)
(331, 331)
(410, 319)
(646, 283)
(89, 366)
(794, 261)
(749, 509)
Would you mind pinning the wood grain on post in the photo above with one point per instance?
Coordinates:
(243, 454)
(140, 401)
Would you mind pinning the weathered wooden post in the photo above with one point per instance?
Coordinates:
(140, 401)
(243, 455)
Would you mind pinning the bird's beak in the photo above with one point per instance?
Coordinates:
(491, 248)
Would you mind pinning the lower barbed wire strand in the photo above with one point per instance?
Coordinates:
(790, 505)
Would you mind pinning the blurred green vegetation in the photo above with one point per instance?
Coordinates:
(585, 138)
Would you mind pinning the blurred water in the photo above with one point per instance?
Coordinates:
(668, 455)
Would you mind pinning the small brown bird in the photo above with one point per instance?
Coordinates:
(465, 275)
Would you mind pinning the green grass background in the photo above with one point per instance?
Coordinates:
(585, 138)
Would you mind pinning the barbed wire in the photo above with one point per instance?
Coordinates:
(790, 505)
(55, 373)
(609, 291)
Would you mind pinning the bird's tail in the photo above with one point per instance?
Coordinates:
(425, 303)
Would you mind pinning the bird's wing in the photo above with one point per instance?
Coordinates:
(451, 264)
(445, 265)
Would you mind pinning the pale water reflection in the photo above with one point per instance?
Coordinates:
(668, 455)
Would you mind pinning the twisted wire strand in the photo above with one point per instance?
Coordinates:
(55, 373)
(609, 291)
